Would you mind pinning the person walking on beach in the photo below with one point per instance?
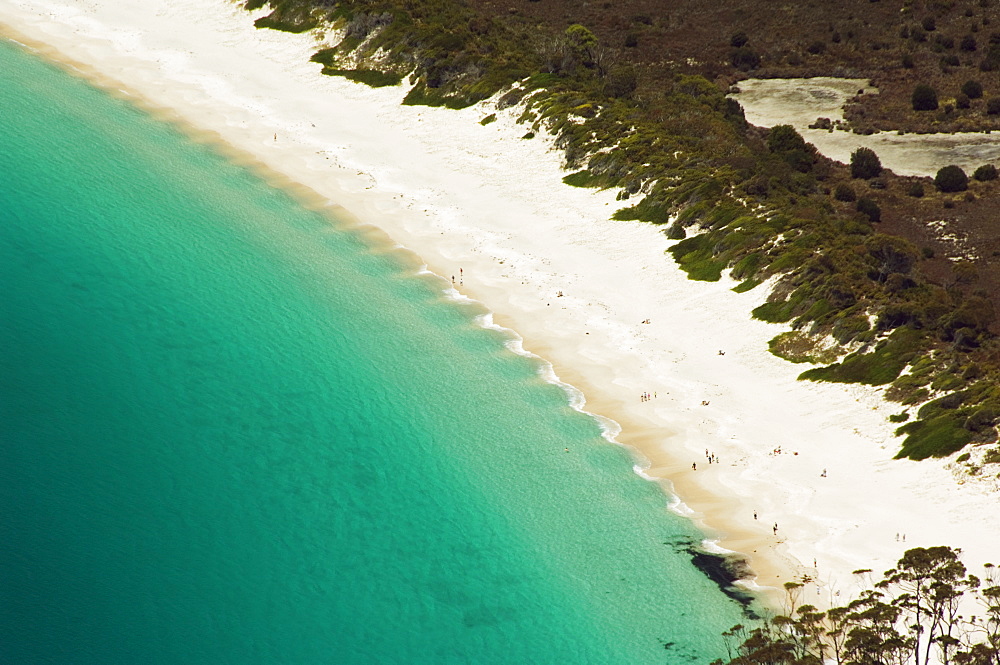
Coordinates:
(776, 528)
(694, 466)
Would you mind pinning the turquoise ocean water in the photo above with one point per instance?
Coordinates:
(231, 433)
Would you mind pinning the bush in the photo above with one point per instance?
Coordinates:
(993, 106)
(944, 41)
(951, 179)
(745, 59)
(844, 193)
(869, 208)
(816, 48)
(972, 89)
(968, 43)
(924, 98)
(865, 163)
(929, 24)
(739, 39)
(621, 81)
(985, 172)
(784, 138)
(962, 101)
(787, 143)
(916, 190)
(907, 61)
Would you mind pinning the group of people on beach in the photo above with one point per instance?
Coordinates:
(645, 397)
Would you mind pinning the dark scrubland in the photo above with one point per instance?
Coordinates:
(901, 272)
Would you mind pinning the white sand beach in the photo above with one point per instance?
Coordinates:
(484, 205)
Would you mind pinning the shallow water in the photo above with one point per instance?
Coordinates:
(232, 433)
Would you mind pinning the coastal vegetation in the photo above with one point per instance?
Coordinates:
(637, 101)
(916, 614)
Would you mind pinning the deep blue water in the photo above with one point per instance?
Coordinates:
(230, 432)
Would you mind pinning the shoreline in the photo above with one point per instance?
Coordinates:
(463, 205)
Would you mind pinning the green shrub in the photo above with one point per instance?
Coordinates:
(621, 81)
(844, 193)
(865, 163)
(745, 59)
(972, 89)
(370, 77)
(899, 417)
(784, 138)
(585, 178)
(286, 21)
(937, 437)
(962, 101)
(924, 98)
(875, 368)
(929, 24)
(869, 208)
(985, 172)
(694, 256)
(907, 61)
(968, 43)
(492, 117)
(993, 106)
(951, 179)
(739, 39)
(916, 190)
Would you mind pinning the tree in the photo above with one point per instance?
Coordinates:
(865, 163)
(951, 179)
(910, 617)
(890, 254)
(930, 582)
(924, 98)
